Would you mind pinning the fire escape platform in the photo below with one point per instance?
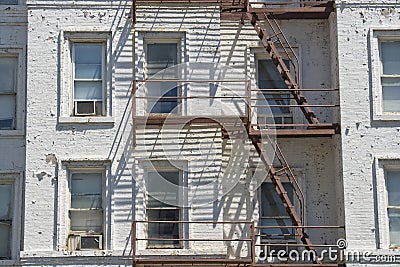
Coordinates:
(321, 130)
(277, 10)
(281, 10)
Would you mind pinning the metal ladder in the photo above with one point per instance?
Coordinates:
(268, 41)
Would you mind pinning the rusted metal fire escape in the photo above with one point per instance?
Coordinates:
(273, 40)
(293, 87)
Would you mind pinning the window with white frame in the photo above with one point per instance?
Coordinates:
(88, 60)
(6, 218)
(164, 200)
(8, 91)
(393, 206)
(268, 77)
(390, 75)
(161, 56)
(86, 210)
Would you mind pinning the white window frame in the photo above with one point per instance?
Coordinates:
(19, 117)
(103, 80)
(69, 166)
(144, 38)
(382, 165)
(377, 35)
(14, 178)
(69, 38)
(180, 209)
(260, 54)
(88, 171)
(164, 165)
(176, 41)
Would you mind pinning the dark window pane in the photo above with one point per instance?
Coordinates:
(390, 57)
(160, 57)
(7, 111)
(88, 53)
(5, 240)
(163, 230)
(273, 213)
(5, 201)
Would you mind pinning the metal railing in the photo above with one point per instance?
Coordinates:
(245, 100)
(232, 242)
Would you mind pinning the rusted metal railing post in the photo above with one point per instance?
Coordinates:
(253, 244)
(133, 243)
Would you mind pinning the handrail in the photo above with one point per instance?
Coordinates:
(252, 100)
(251, 234)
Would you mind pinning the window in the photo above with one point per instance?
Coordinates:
(273, 213)
(268, 77)
(6, 219)
(393, 208)
(390, 75)
(86, 210)
(8, 86)
(163, 204)
(162, 95)
(88, 79)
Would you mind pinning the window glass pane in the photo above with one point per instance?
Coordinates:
(391, 94)
(5, 201)
(393, 187)
(7, 111)
(160, 57)
(270, 78)
(268, 75)
(163, 188)
(86, 190)
(5, 240)
(163, 230)
(88, 71)
(162, 105)
(273, 212)
(88, 90)
(88, 54)
(87, 220)
(271, 203)
(8, 73)
(394, 226)
(8, 2)
(390, 55)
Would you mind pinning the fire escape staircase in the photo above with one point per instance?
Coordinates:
(291, 83)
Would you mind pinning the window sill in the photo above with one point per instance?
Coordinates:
(11, 133)
(386, 117)
(86, 120)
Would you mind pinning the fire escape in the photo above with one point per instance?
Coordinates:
(263, 17)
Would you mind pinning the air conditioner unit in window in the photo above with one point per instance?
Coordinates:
(88, 108)
(85, 242)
